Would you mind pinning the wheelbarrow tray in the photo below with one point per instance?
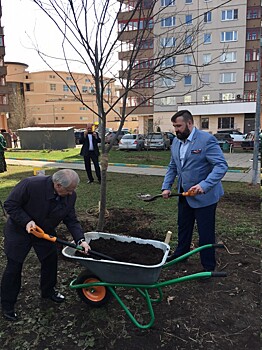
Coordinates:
(117, 271)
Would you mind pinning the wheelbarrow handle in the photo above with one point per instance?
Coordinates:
(38, 232)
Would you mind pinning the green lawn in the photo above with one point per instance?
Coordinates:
(238, 213)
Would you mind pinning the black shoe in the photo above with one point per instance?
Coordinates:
(56, 297)
(89, 181)
(10, 315)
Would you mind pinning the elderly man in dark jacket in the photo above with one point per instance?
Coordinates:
(90, 151)
(44, 201)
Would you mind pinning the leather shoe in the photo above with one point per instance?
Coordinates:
(56, 297)
(10, 315)
(89, 181)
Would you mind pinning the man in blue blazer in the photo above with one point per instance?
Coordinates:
(199, 165)
(90, 151)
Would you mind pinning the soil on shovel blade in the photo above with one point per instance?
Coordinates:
(130, 252)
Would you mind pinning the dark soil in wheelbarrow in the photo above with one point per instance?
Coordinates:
(129, 252)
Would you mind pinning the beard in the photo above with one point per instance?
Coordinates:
(183, 135)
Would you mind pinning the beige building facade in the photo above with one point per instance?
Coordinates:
(48, 98)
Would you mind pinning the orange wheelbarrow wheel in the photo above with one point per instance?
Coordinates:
(96, 295)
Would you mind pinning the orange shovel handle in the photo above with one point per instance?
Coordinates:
(38, 232)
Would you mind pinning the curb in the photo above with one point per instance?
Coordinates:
(116, 164)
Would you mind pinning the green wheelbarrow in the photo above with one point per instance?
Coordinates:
(102, 278)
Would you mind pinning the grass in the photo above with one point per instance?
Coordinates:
(238, 214)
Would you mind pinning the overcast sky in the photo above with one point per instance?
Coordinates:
(24, 25)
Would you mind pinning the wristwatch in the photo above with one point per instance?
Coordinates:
(81, 241)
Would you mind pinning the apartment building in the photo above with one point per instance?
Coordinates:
(45, 99)
(4, 109)
(215, 76)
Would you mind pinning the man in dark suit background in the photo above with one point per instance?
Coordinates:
(90, 151)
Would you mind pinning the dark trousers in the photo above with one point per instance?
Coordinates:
(87, 159)
(205, 219)
(11, 280)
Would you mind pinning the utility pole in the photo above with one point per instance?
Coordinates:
(257, 120)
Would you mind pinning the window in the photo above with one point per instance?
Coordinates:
(167, 3)
(168, 62)
(204, 123)
(250, 95)
(188, 20)
(252, 55)
(188, 1)
(69, 78)
(253, 12)
(145, 44)
(206, 58)
(168, 22)
(2, 81)
(226, 78)
(167, 82)
(188, 40)
(65, 88)
(188, 80)
(207, 38)
(250, 76)
(53, 87)
(73, 88)
(227, 96)
(227, 57)
(205, 78)
(253, 33)
(207, 17)
(168, 101)
(51, 76)
(187, 98)
(188, 59)
(168, 42)
(225, 123)
(1, 40)
(206, 98)
(229, 15)
(84, 88)
(228, 36)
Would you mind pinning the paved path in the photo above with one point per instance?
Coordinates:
(235, 160)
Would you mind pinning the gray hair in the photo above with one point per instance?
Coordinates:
(66, 177)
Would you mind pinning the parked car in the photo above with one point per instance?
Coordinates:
(111, 134)
(131, 142)
(171, 136)
(236, 135)
(248, 143)
(225, 141)
(79, 137)
(157, 140)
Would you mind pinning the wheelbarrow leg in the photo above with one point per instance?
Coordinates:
(128, 312)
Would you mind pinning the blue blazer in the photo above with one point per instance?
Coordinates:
(204, 164)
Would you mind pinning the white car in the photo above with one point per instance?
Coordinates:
(236, 135)
(132, 142)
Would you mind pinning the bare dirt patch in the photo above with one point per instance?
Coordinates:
(223, 313)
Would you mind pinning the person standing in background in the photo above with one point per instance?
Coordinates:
(3, 148)
(90, 151)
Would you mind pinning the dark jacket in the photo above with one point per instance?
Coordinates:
(34, 199)
(85, 148)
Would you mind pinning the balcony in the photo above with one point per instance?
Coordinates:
(142, 54)
(140, 110)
